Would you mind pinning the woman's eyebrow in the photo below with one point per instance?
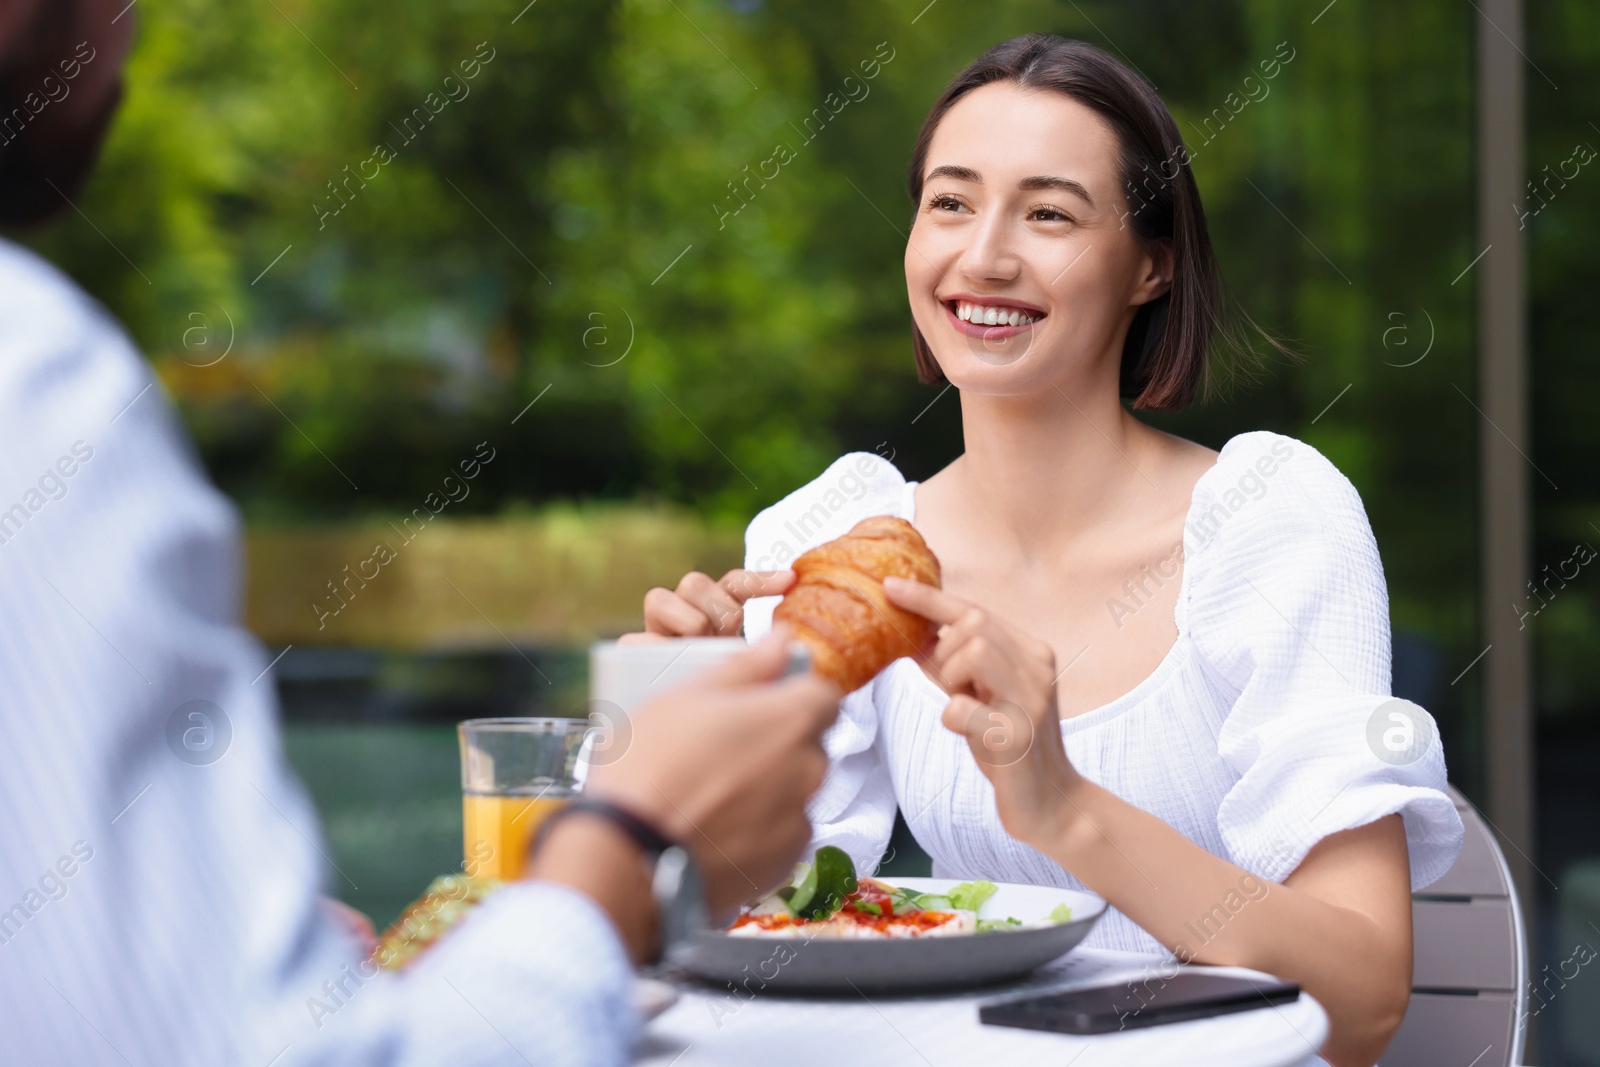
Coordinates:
(1064, 184)
(967, 174)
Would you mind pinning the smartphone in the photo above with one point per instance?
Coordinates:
(1148, 1002)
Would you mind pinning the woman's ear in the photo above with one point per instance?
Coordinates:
(1157, 265)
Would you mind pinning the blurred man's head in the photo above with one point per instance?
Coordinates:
(60, 82)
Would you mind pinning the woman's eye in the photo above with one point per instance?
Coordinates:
(1050, 215)
(943, 202)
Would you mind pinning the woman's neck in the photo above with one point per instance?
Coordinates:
(1040, 471)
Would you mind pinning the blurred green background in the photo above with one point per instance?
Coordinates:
(571, 227)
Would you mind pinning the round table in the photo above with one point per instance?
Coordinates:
(717, 1028)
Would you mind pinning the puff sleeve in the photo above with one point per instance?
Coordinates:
(855, 805)
(1290, 615)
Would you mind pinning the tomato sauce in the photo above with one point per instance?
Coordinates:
(850, 912)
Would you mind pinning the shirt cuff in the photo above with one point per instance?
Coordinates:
(543, 966)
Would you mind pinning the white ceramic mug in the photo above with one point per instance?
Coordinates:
(622, 676)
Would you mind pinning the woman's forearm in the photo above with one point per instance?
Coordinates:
(1208, 910)
(1340, 925)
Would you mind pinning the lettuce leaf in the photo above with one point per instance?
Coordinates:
(970, 896)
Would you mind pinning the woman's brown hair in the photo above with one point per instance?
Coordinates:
(1165, 358)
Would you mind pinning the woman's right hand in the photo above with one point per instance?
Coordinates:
(700, 607)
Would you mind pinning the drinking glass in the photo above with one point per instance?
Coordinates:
(514, 773)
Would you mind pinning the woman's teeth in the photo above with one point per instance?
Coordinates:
(984, 315)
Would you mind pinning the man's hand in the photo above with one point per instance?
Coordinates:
(353, 922)
(700, 607)
(722, 764)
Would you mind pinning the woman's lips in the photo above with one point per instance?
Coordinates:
(985, 333)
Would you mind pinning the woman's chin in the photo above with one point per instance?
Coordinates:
(988, 377)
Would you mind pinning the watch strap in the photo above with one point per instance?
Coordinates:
(651, 841)
(674, 881)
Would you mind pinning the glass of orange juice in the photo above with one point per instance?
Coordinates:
(514, 773)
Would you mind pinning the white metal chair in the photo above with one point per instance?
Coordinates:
(1469, 984)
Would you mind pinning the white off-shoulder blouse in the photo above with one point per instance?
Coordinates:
(1268, 726)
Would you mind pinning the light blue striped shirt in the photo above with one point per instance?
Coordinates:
(163, 910)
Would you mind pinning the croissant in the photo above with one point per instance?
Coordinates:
(838, 608)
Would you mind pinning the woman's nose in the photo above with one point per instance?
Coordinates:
(990, 256)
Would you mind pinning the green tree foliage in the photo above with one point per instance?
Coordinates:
(581, 231)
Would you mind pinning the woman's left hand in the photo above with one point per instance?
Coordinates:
(1002, 686)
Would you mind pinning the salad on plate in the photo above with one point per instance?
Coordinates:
(825, 898)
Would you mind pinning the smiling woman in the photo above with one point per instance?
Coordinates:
(1120, 132)
(1158, 757)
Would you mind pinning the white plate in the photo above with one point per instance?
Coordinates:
(837, 965)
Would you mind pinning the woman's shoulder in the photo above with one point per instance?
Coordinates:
(1284, 567)
(855, 486)
(1269, 492)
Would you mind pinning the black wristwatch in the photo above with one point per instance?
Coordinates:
(675, 883)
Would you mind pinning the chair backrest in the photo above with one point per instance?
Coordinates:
(1470, 976)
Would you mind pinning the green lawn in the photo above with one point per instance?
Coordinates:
(389, 795)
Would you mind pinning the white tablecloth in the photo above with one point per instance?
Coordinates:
(710, 1027)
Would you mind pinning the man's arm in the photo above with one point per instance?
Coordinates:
(176, 918)
(161, 865)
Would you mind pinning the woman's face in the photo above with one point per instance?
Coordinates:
(1023, 218)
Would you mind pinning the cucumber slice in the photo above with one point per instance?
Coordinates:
(773, 905)
(800, 900)
(902, 901)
